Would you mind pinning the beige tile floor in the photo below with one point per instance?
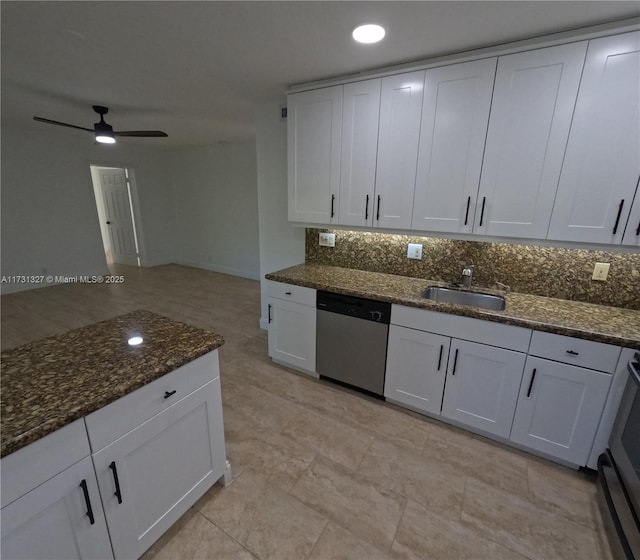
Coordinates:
(321, 472)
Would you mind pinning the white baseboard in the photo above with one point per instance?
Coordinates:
(220, 269)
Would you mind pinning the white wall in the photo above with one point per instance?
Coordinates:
(216, 208)
(49, 217)
(281, 244)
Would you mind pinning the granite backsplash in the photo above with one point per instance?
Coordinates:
(545, 271)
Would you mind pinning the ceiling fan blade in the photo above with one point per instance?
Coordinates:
(49, 121)
(142, 133)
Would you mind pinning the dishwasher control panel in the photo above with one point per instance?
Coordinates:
(367, 309)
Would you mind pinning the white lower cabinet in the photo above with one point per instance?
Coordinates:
(482, 386)
(559, 409)
(149, 477)
(61, 518)
(416, 368)
(292, 325)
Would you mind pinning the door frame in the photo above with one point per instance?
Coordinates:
(134, 201)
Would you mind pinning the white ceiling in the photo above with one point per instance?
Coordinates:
(196, 69)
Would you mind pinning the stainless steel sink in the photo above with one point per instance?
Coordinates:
(462, 297)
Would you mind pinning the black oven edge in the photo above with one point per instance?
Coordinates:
(617, 516)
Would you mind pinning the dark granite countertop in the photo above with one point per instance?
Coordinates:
(612, 325)
(47, 384)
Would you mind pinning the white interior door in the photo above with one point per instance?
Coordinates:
(119, 220)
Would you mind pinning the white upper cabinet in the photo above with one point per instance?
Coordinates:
(360, 115)
(314, 131)
(400, 108)
(632, 233)
(455, 114)
(533, 101)
(602, 163)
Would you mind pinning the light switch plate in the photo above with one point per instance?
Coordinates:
(414, 251)
(600, 271)
(327, 239)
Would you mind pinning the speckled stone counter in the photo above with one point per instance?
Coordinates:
(49, 383)
(612, 325)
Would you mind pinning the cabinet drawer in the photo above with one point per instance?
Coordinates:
(41, 460)
(125, 414)
(290, 292)
(575, 351)
(465, 328)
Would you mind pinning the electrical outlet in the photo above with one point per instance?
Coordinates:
(327, 239)
(600, 271)
(414, 251)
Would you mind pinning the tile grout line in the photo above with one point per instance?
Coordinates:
(255, 555)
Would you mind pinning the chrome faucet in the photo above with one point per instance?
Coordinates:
(467, 276)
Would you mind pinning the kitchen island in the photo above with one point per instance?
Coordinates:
(122, 417)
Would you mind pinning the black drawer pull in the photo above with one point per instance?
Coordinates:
(533, 376)
(287, 293)
(333, 198)
(269, 313)
(440, 357)
(366, 209)
(466, 216)
(573, 352)
(484, 199)
(168, 394)
(455, 363)
(87, 501)
(378, 210)
(615, 227)
(117, 493)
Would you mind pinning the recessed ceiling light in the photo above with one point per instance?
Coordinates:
(369, 33)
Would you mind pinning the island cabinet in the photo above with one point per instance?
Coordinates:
(139, 445)
(533, 102)
(314, 135)
(50, 501)
(562, 396)
(468, 370)
(602, 162)
(292, 326)
(455, 115)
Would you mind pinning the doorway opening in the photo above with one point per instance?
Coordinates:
(114, 201)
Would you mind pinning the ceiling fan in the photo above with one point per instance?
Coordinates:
(104, 132)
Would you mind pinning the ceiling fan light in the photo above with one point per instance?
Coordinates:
(105, 138)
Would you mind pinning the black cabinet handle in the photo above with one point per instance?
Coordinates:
(287, 293)
(466, 216)
(484, 200)
(615, 227)
(87, 501)
(108, 223)
(533, 376)
(333, 198)
(638, 229)
(573, 352)
(440, 357)
(455, 363)
(378, 210)
(117, 493)
(269, 313)
(168, 394)
(366, 209)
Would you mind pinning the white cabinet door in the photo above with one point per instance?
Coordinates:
(52, 521)
(482, 386)
(292, 333)
(632, 232)
(360, 115)
(416, 368)
(533, 101)
(314, 131)
(455, 115)
(400, 108)
(559, 409)
(149, 477)
(602, 163)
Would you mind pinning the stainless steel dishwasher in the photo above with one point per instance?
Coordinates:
(351, 340)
